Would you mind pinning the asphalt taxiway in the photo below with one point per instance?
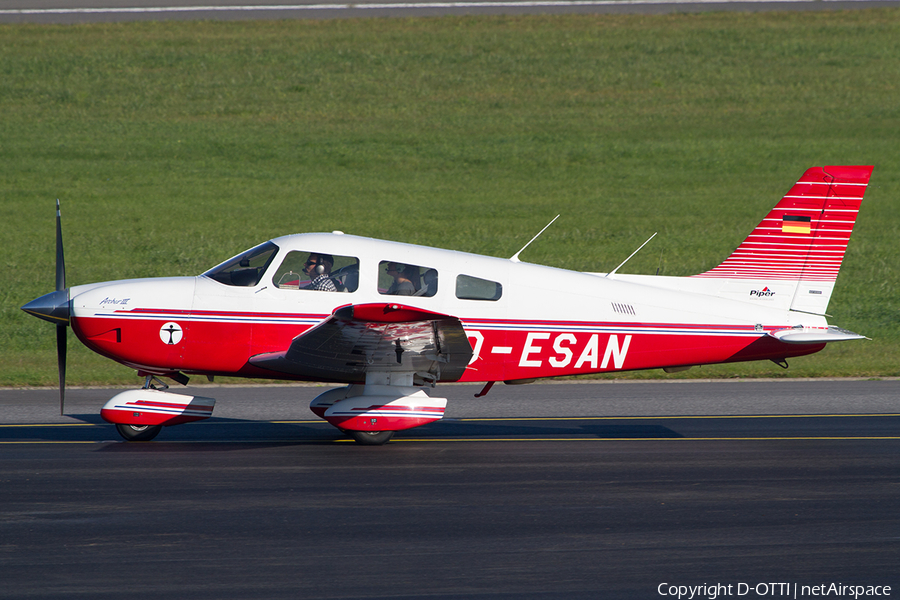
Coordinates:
(558, 490)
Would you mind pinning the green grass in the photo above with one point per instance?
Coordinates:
(173, 146)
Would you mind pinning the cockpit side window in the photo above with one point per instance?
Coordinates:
(402, 279)
(474, 288)
(318, 271)
(246, 269)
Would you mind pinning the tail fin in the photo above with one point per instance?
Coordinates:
(798, 248)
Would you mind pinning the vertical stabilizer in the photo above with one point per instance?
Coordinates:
(798, 248)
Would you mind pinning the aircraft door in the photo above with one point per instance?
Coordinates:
(301, 291)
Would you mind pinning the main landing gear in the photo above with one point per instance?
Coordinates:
(371, 438)
(371, 413)
(138, 433)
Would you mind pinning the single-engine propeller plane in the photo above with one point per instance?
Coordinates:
(390, 320)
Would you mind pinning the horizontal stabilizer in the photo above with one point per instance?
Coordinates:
(815, 335)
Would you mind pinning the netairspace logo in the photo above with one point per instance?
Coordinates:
(772, 590)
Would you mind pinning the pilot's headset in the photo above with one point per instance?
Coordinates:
(323, 258)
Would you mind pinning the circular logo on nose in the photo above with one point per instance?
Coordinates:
(171, 333)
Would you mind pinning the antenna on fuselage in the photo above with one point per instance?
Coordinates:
(515, 257)
(632, 254)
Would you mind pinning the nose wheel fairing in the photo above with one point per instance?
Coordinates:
(149, 407)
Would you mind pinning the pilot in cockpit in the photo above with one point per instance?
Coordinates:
(318, 269)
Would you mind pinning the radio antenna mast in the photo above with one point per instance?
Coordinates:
(613, 272)
(515, 257)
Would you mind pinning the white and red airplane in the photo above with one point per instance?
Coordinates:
(391, 320)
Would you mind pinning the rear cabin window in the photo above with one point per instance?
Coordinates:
(246, 269)
(402, 279)
(317, 271)
(474, 288)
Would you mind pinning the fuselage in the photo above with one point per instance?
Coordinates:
(523, 321)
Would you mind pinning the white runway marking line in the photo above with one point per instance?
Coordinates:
(392, 6)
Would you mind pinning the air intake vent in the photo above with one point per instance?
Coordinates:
(625, 309)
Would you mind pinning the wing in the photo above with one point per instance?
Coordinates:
(363, 338)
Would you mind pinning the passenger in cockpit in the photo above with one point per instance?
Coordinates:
(318, 269)
(402, 286)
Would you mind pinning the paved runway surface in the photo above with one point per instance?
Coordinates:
(84, 11)
(561, 490)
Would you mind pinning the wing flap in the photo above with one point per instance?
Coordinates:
(362, 338)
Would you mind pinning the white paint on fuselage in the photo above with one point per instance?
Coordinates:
(532, 294)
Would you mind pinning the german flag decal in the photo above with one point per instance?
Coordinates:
(795, 224)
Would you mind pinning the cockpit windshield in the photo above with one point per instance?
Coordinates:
(245, 269)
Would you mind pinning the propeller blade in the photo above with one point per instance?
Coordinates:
(61, 359)
(54, 307)
(60, 328)
(60, 260)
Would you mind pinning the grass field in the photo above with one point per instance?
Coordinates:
(175, 145)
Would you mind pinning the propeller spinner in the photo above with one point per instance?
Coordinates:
(54, 307)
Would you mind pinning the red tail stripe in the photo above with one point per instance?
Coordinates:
(831, 197)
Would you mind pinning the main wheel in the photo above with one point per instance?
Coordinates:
(138, 433)
(371, 438)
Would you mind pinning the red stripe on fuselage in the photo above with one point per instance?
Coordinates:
(505, 349)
